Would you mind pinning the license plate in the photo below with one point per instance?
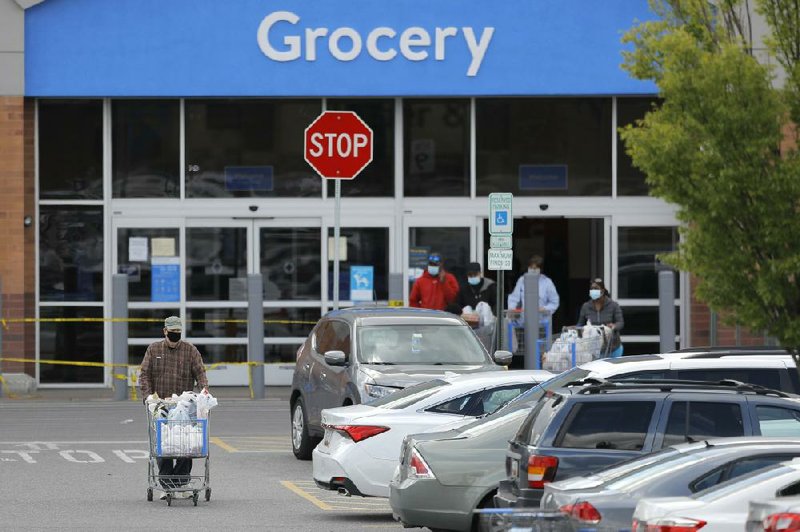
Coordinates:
(514, 468)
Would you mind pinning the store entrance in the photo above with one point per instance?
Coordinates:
(574, 252)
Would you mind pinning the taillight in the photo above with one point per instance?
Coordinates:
(417, 467)
(783, 522)
(541, 470)
(676, 524)
(358, 433)
(582, 511)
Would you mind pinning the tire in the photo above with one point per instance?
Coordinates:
(169, 499)
(485, 525)
(149, 494)
(194, 498)
(208, 494)
(302, 443)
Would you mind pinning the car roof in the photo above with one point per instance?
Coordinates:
(738, 441)
(395, 316)
(648, 387)
(489, 378)
(724, 357)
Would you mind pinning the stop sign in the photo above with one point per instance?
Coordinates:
(338, 145)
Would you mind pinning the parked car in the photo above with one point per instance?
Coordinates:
(356, 355)
(362, 442)
(609, 497)
(774, 515)
(467, 485)
(721, 508)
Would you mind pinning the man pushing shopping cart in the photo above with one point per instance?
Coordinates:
(173, 366)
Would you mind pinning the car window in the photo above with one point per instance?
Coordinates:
(419, 344)
(696, 420)
(323, 338)
(541, 416)
(706, 481)
(655, 374)
(493, 399)
(737, 469)
(341, 337)
(777, 421)
(745, 481)
(607, 425)
(410, 395)
(769, 378)
(460, 405)
(645, 476)
(794, 378)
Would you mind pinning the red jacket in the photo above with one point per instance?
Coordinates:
(428, 292)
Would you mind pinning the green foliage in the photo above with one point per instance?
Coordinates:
(712, 149)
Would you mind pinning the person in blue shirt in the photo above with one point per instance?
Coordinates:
(548, 295)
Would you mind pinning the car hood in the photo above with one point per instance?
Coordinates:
(401, 376)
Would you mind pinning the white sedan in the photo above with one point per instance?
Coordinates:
(362, 443)
(722, 508)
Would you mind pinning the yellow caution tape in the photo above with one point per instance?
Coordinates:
(6, 321)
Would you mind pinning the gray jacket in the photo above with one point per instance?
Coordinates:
(610, 312)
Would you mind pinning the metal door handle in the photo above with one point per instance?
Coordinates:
(307, 367)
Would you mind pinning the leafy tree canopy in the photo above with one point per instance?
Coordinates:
(712, 148)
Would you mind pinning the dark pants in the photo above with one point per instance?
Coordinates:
(178, 471)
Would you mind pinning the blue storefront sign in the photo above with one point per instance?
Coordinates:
(362, 283)
(166, 279)
(543, 177)
(249, 178)
(317, 48)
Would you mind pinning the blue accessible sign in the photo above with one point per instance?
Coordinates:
(362, 285)
(166, 279)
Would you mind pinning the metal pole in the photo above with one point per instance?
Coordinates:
(531, 312)
(336, 226)
(498, 344)
(666, 310)
(119, 333)
(712, 329)
(255, 332)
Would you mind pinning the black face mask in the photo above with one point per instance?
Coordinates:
(173, 336)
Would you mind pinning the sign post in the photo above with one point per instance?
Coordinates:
(500, 256)
(338, 145)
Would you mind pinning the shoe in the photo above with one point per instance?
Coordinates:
(163, 497)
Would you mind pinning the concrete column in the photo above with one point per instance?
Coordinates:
(666, 310)
(531, 307)
(119, 333)
(255, 332)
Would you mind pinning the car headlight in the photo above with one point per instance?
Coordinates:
(375, 391)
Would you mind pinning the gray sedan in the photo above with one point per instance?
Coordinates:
(609, 497)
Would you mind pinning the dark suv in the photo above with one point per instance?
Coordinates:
(580, 429)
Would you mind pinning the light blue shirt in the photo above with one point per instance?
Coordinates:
(548, 296)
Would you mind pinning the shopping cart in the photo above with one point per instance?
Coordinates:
(173, 438)
(515, 333)
(577, 345)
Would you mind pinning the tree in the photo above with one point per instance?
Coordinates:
(712, 148)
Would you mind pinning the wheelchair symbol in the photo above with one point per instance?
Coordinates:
(501, 218)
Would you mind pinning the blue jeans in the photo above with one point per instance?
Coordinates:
(616, 353)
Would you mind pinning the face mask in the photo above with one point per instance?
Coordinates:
(533, 270)
(433, 270)
(474, 281)
(173, 336)
(595, 293)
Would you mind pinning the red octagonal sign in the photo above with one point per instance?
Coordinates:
(338, 145)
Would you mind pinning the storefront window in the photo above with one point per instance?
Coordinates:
(452, 243)
(643, 321)
(151, 258)
(544, 146)
(249, 148)
(436, 147)
(216, 263)
(146, 148)
(363, 247)
(70, 253)
(290, 263)
(73, 341)
(70, 149)
(377, 179)
(281, 352)
(637, 264)
(216, 323)
(148, 323)
(216, 353)
(289, 322)
(630, 180)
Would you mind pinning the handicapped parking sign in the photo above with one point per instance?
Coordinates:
(501, 221)
(501, 218)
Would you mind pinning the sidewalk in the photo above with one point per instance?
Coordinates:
(281, 393)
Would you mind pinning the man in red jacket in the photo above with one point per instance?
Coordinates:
(435, 288)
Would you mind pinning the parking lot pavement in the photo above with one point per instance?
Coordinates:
(83, 466)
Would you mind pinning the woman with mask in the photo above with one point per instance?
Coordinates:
(435, 289)
(602, 310)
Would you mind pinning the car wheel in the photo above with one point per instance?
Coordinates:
(302, 444)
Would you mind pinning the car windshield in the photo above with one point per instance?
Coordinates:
(419, 345)
(737, 484)
(409, 396)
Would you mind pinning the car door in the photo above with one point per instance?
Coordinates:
(335, 379)
(321, 341)
(775, 419)
(687, 417)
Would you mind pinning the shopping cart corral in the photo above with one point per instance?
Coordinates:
(176, 439)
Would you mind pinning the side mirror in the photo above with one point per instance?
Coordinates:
(503, 357)
(335, 358)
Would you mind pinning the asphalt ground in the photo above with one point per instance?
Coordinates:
(71, 464)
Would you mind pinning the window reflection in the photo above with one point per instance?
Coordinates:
(249, 148)
(637, 264)
(74, 341)
(70, 149)
(70, 253)
(216, 263)
(365, 247)
(291, 263)
(544, 146)
(452, 243)
(146, 153)
(630, 180)
(436, 147)
(377, 179)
